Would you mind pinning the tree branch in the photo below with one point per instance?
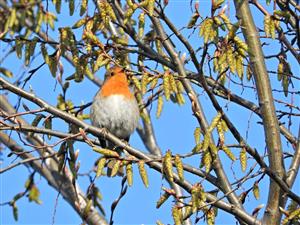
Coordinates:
(103, 133)
(224, 93)
(61, 182)
(24, 129)
(294, 168)
(272, 214)
(217, 165)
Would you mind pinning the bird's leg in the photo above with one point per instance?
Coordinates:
(103, 142)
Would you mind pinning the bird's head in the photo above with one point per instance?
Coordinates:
(114, 71)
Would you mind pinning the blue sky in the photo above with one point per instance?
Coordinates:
(174, 130)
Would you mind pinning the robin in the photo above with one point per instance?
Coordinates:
(115, 107)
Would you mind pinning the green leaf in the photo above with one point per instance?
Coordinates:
(80, 65)
(71, 7)
(57, 5)
(34, 194)
(193, 20)
(37, 119)
(83, 7)
(45, 53)
(27, 54)
(6, 72)
(39, 20)
(12, 18)
(17, 197)
(72, 168)
(100, 166)
(255, 190)
(48, 125)
(70, 145)
(285, 84)
(15, 211)
(52, 65)
(280, 71)
(19, 46)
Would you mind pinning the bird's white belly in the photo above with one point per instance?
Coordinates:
(116, 113)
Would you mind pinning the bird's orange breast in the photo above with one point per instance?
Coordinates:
(116, 85)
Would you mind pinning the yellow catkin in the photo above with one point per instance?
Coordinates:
(129, 174)
(143, 173)
(100, 166)
(179, 167)
(168, 167)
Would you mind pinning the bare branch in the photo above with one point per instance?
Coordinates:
(60, 181)
(272, 214)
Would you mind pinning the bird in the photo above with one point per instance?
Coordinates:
(114, 107)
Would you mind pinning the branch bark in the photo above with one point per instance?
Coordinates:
(61, 182)
(198, 112)
(272, 214)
